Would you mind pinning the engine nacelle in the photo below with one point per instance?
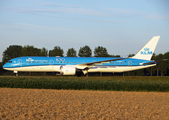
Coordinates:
(67, 70)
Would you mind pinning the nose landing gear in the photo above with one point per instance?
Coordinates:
(16, 72)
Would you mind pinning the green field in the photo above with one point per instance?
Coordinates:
(133, 83)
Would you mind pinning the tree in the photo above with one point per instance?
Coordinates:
(101, 52)
(159, 66)
(71, 52)
(30, 51)
(153, 57)
(166, 63)
(114, 55)
(44, 52)
(57, 51)
(85, 51)
(131, 55)
(11, 52)
(1, 69)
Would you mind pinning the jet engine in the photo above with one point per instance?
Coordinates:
(67, 70)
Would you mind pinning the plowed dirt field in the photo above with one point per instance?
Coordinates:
(41, 104)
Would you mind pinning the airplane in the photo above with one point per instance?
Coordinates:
(85, 65)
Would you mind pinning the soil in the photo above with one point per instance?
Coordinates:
(39, 104)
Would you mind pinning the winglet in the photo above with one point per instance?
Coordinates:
(147, 51)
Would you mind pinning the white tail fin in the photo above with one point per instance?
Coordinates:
(147, 51)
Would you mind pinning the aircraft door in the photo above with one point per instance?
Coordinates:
(129, 63)
(19, 62)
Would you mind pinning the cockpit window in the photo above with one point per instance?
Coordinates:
(10, 61)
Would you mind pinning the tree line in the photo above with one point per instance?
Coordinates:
(17, 51)
(162, 68)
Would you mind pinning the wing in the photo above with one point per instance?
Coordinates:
(91, 64)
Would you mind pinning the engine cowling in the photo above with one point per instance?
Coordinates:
(67, 70)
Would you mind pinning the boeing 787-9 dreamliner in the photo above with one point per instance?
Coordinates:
(75, 65)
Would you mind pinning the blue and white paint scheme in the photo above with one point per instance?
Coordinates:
(74, 65)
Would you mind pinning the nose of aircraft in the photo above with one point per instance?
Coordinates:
(7, 65)
(4, 66)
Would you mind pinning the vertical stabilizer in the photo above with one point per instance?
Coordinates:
(147, 51)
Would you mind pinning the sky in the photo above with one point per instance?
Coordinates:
(123, 27)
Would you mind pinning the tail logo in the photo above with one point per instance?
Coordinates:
(146, 51)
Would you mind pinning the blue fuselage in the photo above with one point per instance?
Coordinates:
(61, 61)
(53, 64)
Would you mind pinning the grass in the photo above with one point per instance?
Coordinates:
(127, 83)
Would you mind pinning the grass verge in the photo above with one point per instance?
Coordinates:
(134, 83)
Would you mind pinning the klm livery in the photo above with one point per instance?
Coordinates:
(75, 65)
